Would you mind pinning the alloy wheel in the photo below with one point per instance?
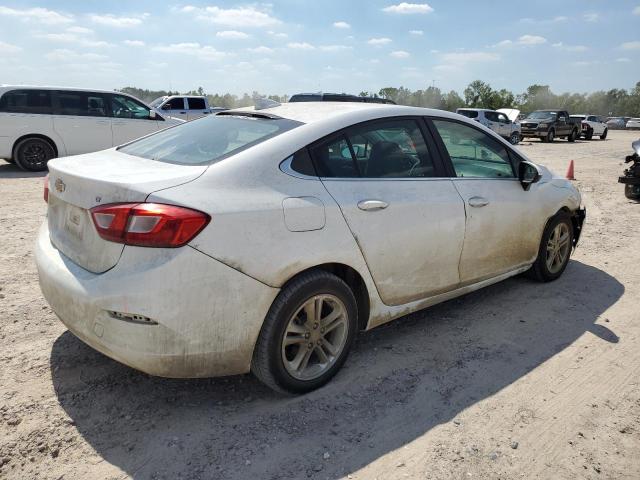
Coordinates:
(558, 248)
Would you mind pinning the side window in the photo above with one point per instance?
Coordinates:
(126, 107)
(502, 118)
(391, 149)
(79, 103)
(474, 153)
(301, 163)
(26, 101)
(196, 103)
(491, 116)
(174, 104)
(333, 158)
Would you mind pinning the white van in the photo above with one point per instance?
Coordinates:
(40, 123)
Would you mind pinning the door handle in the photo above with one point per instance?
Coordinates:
(478, 201)
(372, 205)
(183, 113)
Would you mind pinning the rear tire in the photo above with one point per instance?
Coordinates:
(604, 134)
(589, 134)
(555, 249)
(572, 136)
(297, 351)
(32, 154)
(514, 139)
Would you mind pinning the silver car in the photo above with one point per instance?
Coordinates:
(264, 240)
(496, 120)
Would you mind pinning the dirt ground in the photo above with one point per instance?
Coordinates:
(520, 380)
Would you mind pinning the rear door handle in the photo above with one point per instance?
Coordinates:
(372, 205)
(478, 202)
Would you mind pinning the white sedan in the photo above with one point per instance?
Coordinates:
(264, 240)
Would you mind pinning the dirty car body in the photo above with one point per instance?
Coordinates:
(409, 207)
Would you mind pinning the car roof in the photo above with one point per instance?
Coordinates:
(312, 112)
(477, 109)
(46, 87)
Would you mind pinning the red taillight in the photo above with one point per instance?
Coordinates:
(148, 224)
(46, 188)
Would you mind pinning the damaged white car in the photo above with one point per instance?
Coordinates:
(264, 240)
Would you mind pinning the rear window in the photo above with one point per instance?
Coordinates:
(26, 101)
(208, 140)
(468, 113)
(196, 103)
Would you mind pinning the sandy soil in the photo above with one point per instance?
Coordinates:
(520, 380)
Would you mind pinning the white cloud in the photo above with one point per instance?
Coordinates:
(400, 54)
(623, 60)
(72, 38)
(379, 41)
(531, 40)
(8, 48)
(110, 20)
(232, 34)
(417, 33)
(64, 55)
(630, 45)
(408, 8)
(134, 43)
(557, 19)
(570, 48)
(334, 48)
(80, 30)
(40, 15)
(636, 11)
(204, 52)
(278, 34)
(503, 43)
(282, 67)
(582, 63)
(591, 17)
(261, 49)
(467, 57)
(245, 17)
(341, 25)
(300, 46)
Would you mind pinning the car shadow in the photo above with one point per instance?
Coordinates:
(402, 380)
(11, 170)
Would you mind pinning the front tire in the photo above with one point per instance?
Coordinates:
(307, 333)
(550, 137)
(555, 249)
(604, 134)
(514, 139)
(589, 134)
(32, 154)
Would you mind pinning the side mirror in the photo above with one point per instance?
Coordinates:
(528, 174)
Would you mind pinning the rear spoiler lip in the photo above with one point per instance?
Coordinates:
(241, 113)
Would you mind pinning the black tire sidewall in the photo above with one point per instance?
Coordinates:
(515, 136)
(604, 134)
(26, 165)
(541, 263)
(280, 314)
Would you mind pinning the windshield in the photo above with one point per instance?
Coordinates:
(542, 115)
(208, 140)
(157, 102)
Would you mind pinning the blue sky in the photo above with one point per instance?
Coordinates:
(334, 46)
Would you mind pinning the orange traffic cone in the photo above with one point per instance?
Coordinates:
(570, 171)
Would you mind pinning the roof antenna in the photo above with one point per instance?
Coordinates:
(263, 102)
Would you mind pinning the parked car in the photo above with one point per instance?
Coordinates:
(616, 123)
(41, 123)
(496, 121)
(592, 125)
(633, 123)
(337, 97)
(263, 240)
(185, 107)
(547, 125)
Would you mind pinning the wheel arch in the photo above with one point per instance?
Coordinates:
(354, 281)
(35, 135)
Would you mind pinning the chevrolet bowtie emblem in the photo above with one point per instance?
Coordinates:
(60, 186)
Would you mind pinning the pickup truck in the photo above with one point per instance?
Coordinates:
(549, 124)
(185, 107)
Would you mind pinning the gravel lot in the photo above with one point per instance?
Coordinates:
(520, 380)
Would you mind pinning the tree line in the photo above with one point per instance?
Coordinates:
(478, 94)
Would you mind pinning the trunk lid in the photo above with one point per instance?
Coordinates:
(76, 184)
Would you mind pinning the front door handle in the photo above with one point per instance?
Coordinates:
(372, 205)
(478, 202)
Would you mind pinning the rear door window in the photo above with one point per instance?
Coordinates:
(85, 104)
(196, 103)
(26, 101)
(469, 113)
(474, 153)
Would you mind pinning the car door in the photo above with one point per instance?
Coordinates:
(196, 108)
(497, 236)
(492, 121)
(504, 125)
(131, 119)
(595, 124)
(563, 127)
(176, 107)
(407, 219)
(82, 120)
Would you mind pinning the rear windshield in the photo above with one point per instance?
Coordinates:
(468, 113)
(209, 140)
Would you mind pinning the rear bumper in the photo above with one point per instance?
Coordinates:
(205, 316)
